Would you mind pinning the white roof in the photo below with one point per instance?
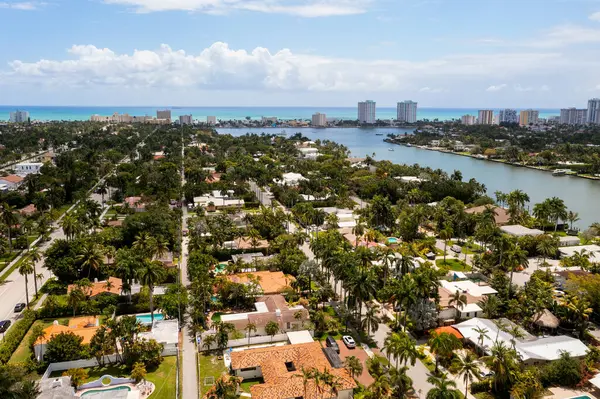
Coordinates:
(299, 337)
(569, 239)
(595, 381)
(469, 287)
(530, 347)
(570, 251)
(470, 307)
(163, 331)
(519, 231)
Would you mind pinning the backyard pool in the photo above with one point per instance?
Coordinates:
(91, 393)
(220, 268)
(146, 318)
(392, 240)
(581, 397)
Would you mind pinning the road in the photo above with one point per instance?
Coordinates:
(189, 353)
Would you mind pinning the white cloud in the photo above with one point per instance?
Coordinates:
(302, 8)
(496, 87)
(220, 67)
(430, 90)
(545, 88)
(22, 5)
(595, 16)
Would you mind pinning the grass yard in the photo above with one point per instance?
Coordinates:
(469, 249)
(210, 366)
(246, 384)
(453, 264)
(164, 377)
(23, 352)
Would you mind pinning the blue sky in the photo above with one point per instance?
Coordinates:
(441, 53)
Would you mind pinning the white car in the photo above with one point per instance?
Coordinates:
(349, 342)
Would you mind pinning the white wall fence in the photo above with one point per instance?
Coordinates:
(75, 364)
(256, 340)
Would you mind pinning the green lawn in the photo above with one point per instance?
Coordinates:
(210, 366)
(164, 377)
(453, 264)
(469, 249)
(246, 384)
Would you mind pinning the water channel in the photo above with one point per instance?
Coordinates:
(580, 195)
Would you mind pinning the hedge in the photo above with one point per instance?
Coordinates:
(481, 386)
(15, 335)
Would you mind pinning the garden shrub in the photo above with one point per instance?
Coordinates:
(15, 335)
(481, 386)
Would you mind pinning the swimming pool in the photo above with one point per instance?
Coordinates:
(581, 397)
(220, 268)
(392, 240)
(146, 318)
(93, 392)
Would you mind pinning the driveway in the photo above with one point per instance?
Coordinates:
(365, 378)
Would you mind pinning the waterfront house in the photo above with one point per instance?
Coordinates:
(501, 216)
(593, 250)
(520, 231)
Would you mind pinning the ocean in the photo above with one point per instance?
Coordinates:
(74, 113)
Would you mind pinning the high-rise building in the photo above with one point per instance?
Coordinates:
(19, 116)
(164, 114)
(211, 120)
(319, 119)
(507, 116)
(468, 119)
(573, 116)
(366, 111)
(593, 113)
(407, 111)
(486, 117)
(185, 120)
(529, 117)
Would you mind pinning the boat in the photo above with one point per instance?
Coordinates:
(390, 149)
(378, 134)
(559, 172)
(408, 144)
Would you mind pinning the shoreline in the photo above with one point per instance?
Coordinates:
(516, 165)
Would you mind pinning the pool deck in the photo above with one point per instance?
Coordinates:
(136, 391)
(565, 393)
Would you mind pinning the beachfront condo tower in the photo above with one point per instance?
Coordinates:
(407, 111)
(366, 112)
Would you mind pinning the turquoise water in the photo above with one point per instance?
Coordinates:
(44, 113)
(95, 391)
(147, 318)
(581, 397)
(220, 267)
(392, 240)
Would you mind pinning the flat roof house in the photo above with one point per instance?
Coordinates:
(113, 286)
(520, 231)
(84, 327)
(473, 292)
(269, 282)
(281, 369)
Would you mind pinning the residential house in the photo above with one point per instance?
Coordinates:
(473, 294)
(218, 200)
(561, 278)
(12, 181)
(56, 388)
(135, 203)
(593, 250)
(164, 332)
(290, 179)
(246, 243)
(28, 210)
(532, 350)
(270, 308)
(112, 286)
(281, 367)
(270, 282)
(84, 327)
(501, 216)
(27, 168)
(520, 231)
(251, 258)
(166, 259)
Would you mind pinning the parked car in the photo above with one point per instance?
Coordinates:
(430, 255)
(456, 248)
(349, 342)
(19, 307)
(4, 324)
(332, 343)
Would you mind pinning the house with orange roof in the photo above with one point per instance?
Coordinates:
(84, 327)
(28, 210)
(135, 203)
(112, 286)
(270, 282)
(12, 181)
(281, 370)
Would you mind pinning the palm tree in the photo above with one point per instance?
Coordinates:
(69, 226)
(481, 335)
(489, 305)
(250, 328)
(467, 369)
(358, 230)
(354, 366)
(572, 217)
(580, 309)
(149, 275)
(515, 258)
(143, 244)
(272, 328)
(34, 255)
(25, 269)
(362, 287)
(208, 341)
(443, 345)
(401, 383)
(547, 246)
(371, 321)
(91, 257)
(443, 388)
(446, 234)
(75, 297)
(502, 362)
(9, 218)
(459, 300)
